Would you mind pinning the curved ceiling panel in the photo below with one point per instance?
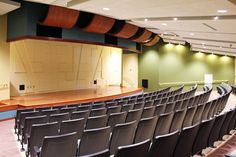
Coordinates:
(153, 41)
(143, 37)
(61, 17)
(127, 31)
(99, 24)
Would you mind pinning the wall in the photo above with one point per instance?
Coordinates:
(49, 66)
(130, 69)
(4, 60)
(172, 65)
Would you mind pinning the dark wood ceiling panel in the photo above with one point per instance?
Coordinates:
(99, 24)
(143, 37)
(127, 31)
(153, 41)
(61, 17)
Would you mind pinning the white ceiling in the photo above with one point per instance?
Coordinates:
(195, 22)
(7, 6)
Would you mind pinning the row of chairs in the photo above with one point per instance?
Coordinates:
(181, 143)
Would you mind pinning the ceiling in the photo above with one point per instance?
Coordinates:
(7, 6)
(196, 19)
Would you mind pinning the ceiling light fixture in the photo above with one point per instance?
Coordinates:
(191, 33)
(175, 18)
(146, 20)
(164, 24)
(222, 11)
(216, 18)
(106, 9)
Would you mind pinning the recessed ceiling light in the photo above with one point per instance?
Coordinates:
(175, 18)
(216, 18)
(165, 32)
(106, 9)
(222, 11)
(164, 24)
(203, 43)
(145, 20)
(191, 33)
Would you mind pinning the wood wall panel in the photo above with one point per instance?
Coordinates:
(144, 36)
(99, 24)
(127, 31)
(61, 17)
(153, 41)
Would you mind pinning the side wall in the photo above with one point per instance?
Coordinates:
(49, 66)
(173, 65)
(4, 60)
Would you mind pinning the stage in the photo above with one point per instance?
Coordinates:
(67, 97)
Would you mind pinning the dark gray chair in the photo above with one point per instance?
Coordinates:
(123, 134)
(148, 103)
(232, 123)
(40, 109)
(75, 125)
(58, 146)
(37, 134)
(84, 107)
(139, 105)
(225, 125)
(148, 112)
(96, 122)
(134, 150)
(160, 109)
(104, 153)
(17, 118)
(59, 117)
(178, 119)
(178, 105)
(94, 140)
(145, 129)
(97, 106)
(164, 145)
(163, 124)
(116, 118)
(113, 109)
(206, 111)
(80, 114)
(98, 112)
(134, 115)
(188, 119)
(68, 110)
(127, 107)
(185, 142)
(169, 107)
(198, 114)
(49, 112)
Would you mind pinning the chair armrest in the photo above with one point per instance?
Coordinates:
(37, 150)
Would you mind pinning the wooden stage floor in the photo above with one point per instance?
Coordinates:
(67, 97)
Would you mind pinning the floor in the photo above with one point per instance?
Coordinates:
(11, 148)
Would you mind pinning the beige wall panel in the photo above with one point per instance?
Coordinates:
(48, 66)
(130, 70)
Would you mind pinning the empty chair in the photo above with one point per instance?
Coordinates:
(122, 102)
(113, 109)
(206, 111)
(96, 122)
(134, 150)
(75, 125)
(17, 118)
(29, 121)
(94, 140)
(104, 153)
(163, 124)
(111, 104)
(232, 123)
(145, 129)
(148, 103)
(98, 112)
(213, 107)
(148, 111)
(169, 107)
(160, 109)
(59, 107)
(188, 119)
(68, 110)
(164, 145)
(178, 119)
(134, 115)
(59, 117)
(198, 114)
(84, 107)
(123, 134)
(215, 131)
(42, 108)
(127, 107)
(37, 133)
(131, 101)
(178, 105)
(185, 142)
(184, 103)
(49, 112)
(96, 106)
(225, 125)
(191, 101)
(116, 118)
(202, 136)
(139, 105)
(59, 146)
(157, 102)
(80, 114)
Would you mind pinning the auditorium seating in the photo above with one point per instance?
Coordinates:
(120, 127)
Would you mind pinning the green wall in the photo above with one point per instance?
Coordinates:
(171, 65)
